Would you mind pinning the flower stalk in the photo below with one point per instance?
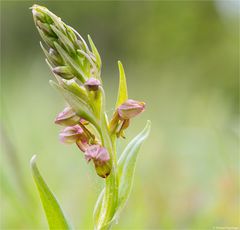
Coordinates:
(77, 69)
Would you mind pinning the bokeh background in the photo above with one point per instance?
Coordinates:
(182, 58)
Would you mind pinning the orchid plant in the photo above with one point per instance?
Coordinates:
(77, 69)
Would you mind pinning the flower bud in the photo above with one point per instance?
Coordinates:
(67, 117)
(55, 57)
(64, 72)
(101, 159)
(45, 28)
(75, 88)
(72, 134)
(130, 109)
(92, 84)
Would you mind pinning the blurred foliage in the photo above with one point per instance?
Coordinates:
(182, 58)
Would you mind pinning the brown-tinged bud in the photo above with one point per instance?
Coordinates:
(64, 72)
(67, 117)
(72, 134)
(101, 159)
(130, 109)
(92, 84)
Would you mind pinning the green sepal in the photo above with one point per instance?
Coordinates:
(122, 88)
(54, 213)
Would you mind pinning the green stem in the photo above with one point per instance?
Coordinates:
(110, 198)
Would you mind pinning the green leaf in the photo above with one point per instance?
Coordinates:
(53, 211)
(122, 88)
(95, 52)
(126, 166)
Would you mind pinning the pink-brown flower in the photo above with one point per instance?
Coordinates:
(130, 109)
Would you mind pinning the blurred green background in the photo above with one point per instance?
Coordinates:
(182, 59)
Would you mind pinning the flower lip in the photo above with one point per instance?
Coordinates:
(92, 84)
(130, 109)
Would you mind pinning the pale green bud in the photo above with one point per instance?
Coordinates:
(63, 71)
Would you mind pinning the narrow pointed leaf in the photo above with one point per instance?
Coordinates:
(53, 211)
(126, 165)
(95, 52)
(122, 88)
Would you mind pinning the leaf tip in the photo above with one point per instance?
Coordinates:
(33, 161)
(52, 83)
(148, 123)
(119, 63)
(148, 127)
